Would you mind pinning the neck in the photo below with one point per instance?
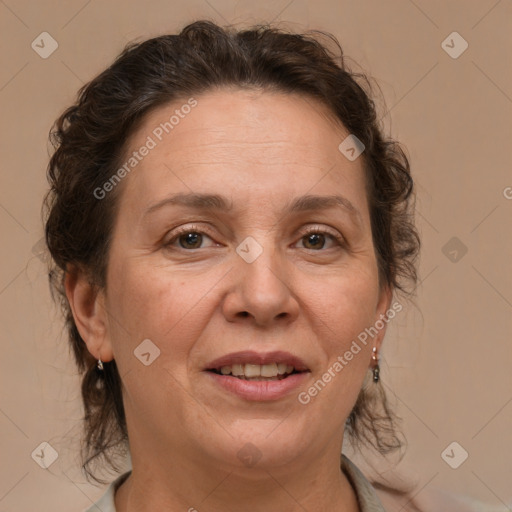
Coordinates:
(183, 484)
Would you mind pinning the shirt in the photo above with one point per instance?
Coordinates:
(366, 496)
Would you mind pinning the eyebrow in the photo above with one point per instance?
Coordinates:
(220, 203)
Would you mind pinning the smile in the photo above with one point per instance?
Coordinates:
(272, 371)
(258, 376)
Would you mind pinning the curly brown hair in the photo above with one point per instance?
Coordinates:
(89, 140)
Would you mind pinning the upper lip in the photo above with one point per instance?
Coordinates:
(251, 357)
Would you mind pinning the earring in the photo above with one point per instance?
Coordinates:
(100, 364)
(376, 368)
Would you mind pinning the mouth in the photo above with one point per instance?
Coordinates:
(258, 377)
(252, 371)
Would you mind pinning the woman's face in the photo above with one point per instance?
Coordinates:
(238, 279)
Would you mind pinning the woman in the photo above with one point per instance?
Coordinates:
(229, 228)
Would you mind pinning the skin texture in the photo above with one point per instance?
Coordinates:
(200, 300)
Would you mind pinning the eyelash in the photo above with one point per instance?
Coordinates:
(195, 229)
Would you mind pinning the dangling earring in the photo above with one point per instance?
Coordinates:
(376, 368)
(100, 365)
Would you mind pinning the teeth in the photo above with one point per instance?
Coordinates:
(269, 370)
(257, 371)
(281, 368)
(252, 370)
(237, 369)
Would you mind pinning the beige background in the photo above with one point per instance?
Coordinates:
(448, 360)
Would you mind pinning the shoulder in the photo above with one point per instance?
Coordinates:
(366, 495)
(438, 499)
(432, 499)
(106, 502)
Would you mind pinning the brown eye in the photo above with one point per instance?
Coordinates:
(190, 240)
(188, 237)
(316, 239)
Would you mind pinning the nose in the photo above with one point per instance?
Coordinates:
(261, 292)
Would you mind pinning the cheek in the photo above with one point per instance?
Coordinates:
(354, 311)
(345, 305)
(152, 302)
(343, 311)
(338, 383)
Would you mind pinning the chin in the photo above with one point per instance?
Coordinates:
(267, 448)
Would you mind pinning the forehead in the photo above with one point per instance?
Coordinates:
(238, 142)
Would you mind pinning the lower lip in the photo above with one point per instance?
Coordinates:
(259, 390)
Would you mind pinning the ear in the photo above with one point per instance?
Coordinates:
(87, 304)
(381, 317)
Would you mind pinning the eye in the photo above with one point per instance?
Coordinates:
(191, 237)
(188, 237)
(317, 237)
